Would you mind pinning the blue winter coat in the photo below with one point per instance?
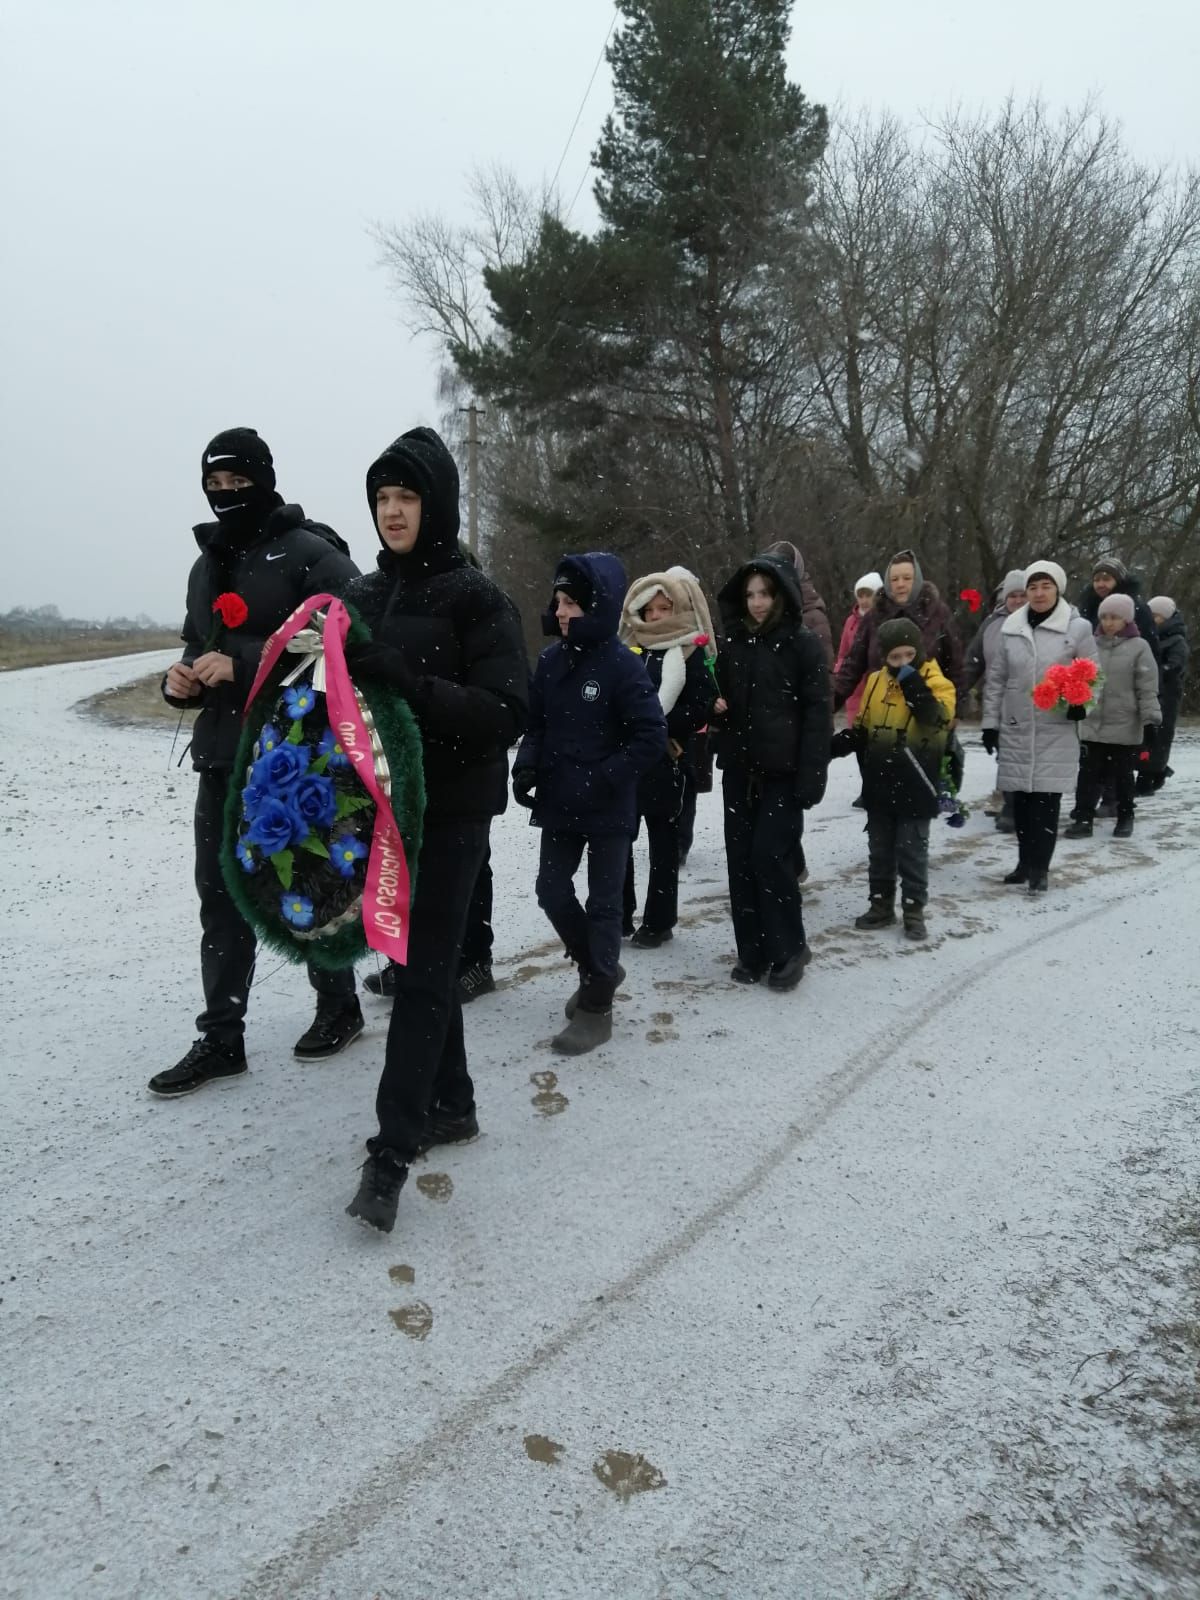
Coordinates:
(595, 723)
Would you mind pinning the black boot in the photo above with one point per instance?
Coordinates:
(1081, 828)
(881, 912)
(585, 1031)
(381, 983)
(475, 981)
(335, 1025)
(1039, 880)
(383, 1175)
(572, 1004)
(208, 1061)
(1019, 874)
(646, 938)
(785, 975)
(914, 920)
(1124, 828)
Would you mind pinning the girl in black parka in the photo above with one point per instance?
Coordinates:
(774, 725)
(449, 641)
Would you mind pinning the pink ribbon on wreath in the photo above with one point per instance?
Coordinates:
(387, 893)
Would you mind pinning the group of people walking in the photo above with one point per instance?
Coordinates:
(613, 732)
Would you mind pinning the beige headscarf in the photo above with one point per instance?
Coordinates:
(675, 636)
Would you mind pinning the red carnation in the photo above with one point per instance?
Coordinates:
(1045, 695)
(231, 609)
(1076, 693)
(1084, 667)
(1059, 675)
(973, 598)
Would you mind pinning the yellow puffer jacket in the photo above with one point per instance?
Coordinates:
(903, 729)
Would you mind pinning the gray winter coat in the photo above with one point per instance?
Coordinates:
(1128, 693)
(1039, 750)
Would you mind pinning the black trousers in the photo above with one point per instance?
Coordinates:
(426, 1061)
(592, 937)
(1036, 819)
(1099, 766)
(687, 813)
(1160, 750)
(661, 910)
(763, 822)
(227, 943)
(477, 940)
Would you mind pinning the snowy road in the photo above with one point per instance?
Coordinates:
(848, 1268)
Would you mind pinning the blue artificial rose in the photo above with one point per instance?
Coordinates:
(278, 769)
(315, 799)
(253, 796)
(275, 826)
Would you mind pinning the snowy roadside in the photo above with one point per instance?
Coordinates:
(850, 1268)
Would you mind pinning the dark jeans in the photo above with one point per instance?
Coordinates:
(477, 940)
(227, 943)
(898, 847)
(1036, 819)
(426, 1062)
(1101, 765)
(592, 937)
(661, 910)
(763, 821)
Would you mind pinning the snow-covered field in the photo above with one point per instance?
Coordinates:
(849, 1268)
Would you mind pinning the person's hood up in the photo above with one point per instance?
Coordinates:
(786, 549)
(777, 567)
(603, 576)
(685, 624)
(420, 460)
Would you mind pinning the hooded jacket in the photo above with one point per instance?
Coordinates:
(1039, 750)
(595, 722)
(775, 682)
(289, 560)
(1127, 692)
(1174, 651)
(925, 607)
(458, 634)
(813, 610)
(1088, 606)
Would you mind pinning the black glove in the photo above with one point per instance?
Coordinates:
(810, 787)
(382, 661)
(524, 782)
(991, 741)
(843, 743)
(1076, 713)
(1149, 734)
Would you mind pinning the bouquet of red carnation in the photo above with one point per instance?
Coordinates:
(1068, 684)
(973, 598)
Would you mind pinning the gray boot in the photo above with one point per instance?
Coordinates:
(914, 920)
(584, 1032)
(572, 1004)
(881, 913)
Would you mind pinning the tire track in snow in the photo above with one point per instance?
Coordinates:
(337, 1530)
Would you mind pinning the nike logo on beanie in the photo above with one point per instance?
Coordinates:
(210, 459)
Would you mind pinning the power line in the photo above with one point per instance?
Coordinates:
(584, 101)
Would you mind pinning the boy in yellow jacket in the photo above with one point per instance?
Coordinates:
(901, 730)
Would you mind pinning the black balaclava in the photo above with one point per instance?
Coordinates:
(241, 513)
(420, 460)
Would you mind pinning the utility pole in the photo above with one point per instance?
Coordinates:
(474, 413)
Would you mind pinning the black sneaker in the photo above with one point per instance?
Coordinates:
(382, 983)
(441, 1128)
(208, 1061)
(785, 975)
(383, 1177)
(336, 1024)
(475, 981)
(646, 939)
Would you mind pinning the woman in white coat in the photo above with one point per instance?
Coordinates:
(1038, 750)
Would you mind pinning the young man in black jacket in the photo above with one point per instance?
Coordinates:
(448, 641)
(269, 555)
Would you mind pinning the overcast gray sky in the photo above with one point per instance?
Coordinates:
(186, 188)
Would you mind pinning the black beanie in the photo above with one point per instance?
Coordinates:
(239, 450)
(420, 460)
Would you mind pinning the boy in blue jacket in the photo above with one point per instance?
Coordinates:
(595, 725)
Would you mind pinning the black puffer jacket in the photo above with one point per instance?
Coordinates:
(456, 631)
(290, 560)
(1173, 664)
(775, 682)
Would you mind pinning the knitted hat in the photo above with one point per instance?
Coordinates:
(1014, 583)
(1111, 565)
(1117, 605)
(239, 450)
(1046, 569)
(1163, 606)
(869, 580)
(900, 631)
